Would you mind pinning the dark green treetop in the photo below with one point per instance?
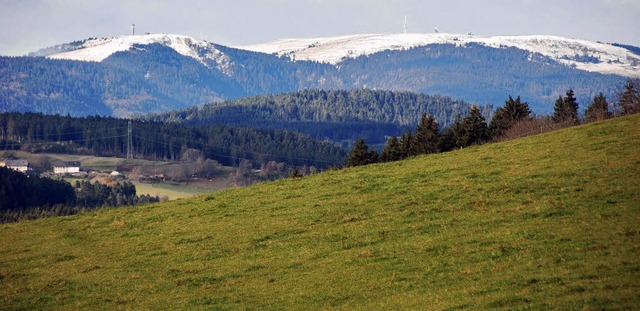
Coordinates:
(505, 117)
(598, 109)
(361, 155)
(566, 109)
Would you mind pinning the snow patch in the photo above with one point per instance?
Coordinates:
(97, 50)
(581, 54)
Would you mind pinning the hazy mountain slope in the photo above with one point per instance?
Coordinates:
(480, 74)
(51, 86)
(546, 222)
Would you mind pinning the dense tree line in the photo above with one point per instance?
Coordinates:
(328, 114)
(28, 196)
(104, 136)
(94, 195)
(514, 116)
(19, 191)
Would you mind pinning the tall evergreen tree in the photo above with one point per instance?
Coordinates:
(458, 132)
(598, 109)
(427, 135)
(630, 98)
(361, 155)
(447, 140)
(474, 128)
(391, 151)
(566, 109)
(407, 145)
(505, 117)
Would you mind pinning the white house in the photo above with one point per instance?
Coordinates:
(17, 165)
(66, 167)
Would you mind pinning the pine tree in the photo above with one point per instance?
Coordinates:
(391, 151)
(598, 109)
(505, 117)
(407, 145)
(630, 99)
(361, 155)
(427, 135)
(566, 109)
(458, 132)
(474, 128)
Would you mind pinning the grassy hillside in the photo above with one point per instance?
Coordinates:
(551, 221)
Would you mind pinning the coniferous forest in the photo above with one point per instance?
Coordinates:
(28, 196)
(336, 115)
(105, 136)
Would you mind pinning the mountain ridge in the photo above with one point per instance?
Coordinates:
(595, 56)
(133, 75)
(582, 54)
(98, 49)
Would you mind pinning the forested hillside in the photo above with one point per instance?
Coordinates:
(157, 140)
(479, 74)
(332, 114)
(52, 86)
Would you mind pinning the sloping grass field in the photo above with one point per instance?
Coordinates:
(550, 221)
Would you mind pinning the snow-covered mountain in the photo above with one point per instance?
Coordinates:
(97, 50)
(581, 54)
(140, 74)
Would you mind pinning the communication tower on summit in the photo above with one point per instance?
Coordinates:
(405, 24)
(133, 29)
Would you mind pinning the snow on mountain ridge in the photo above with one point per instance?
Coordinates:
(97, 50)
(582, 54)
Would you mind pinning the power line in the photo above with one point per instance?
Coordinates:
(58, 142)
(241, 151)
(129, 141)
(129, 145)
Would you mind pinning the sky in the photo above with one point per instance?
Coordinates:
(28, 25)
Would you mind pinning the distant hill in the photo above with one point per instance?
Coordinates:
(125, 75)
(336, 115)
(545, 222)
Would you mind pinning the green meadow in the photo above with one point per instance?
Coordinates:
(546, 222)
(178, 190)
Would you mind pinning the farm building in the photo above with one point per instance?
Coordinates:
(66, 167)
(17, 165)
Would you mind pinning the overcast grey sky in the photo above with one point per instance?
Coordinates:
(27, 25)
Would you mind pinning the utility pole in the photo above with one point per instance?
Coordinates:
(129, 141)
(405, 24)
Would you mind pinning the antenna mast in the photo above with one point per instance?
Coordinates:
(129, 141)
(405, 24)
